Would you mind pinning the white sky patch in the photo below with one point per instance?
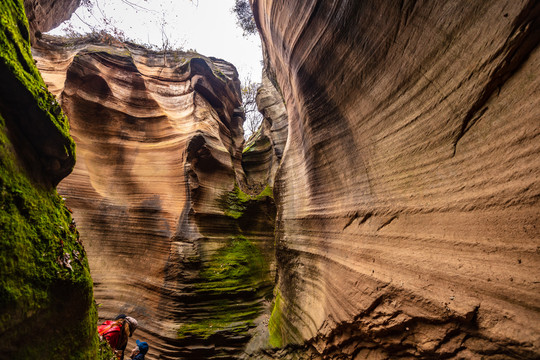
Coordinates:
(206, 26)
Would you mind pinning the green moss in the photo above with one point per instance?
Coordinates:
(282, 331)
(256, 142)
(235, 202)
(105, 352)
(237, 271)
(237, 267)
(248, 147)
(218, 73)
(234, 281)
(231, 322)
(36, 284)
(275, 323)
(46, 306)
(266, 192)
(16, 58)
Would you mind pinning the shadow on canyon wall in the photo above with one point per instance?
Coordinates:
(388, 207)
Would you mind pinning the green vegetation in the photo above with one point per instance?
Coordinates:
(228, 321)
(105, 352)
(267, 191)
(236, 267)
(16, 61)
(236, 271)
(256, 143)
(234, 280)
(244, 17)
(248, 147)
(218, 73)
(44, 270)
(274, 325)
(235, 202)
(281, 330)
(46, 300)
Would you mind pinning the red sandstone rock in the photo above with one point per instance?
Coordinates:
(44, 15)
(407, 194)
(408, 207)
(159, 141)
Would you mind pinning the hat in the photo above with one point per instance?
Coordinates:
(132, 324)
(143, 346)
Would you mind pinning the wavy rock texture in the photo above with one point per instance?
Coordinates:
(262, 153)
(408, 194)
(155, 194)
(44, 273)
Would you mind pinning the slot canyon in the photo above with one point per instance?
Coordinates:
(387, 208)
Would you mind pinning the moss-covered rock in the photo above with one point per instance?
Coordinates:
(274, 325)
(46, 300)
(227, 286)
(105, 351)
(38, 129)
(236, 273)
(235, 268)
(46, 303)
(235, 203)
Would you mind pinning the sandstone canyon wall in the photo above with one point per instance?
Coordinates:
(405, 167)
(44, 15)
(44, 274)
(408, 193)
(171, 238)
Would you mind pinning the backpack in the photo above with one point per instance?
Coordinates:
(111, 331)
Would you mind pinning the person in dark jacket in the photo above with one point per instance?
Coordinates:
(139, 351)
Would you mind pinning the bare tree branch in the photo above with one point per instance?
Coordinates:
(137, 6)
(253, 117)
(84, 22)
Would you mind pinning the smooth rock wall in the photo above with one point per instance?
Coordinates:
(155, 193)
(408, 194)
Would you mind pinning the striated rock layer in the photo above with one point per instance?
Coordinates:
(155, 193)
(408, 193)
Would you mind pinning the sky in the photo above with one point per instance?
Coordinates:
(206, 26)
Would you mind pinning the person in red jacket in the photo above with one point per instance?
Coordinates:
(116, 332)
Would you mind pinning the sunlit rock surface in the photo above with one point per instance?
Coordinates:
(408, 194)
(171, 239)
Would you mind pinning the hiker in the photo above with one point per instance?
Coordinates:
(116, 332)
(139, 351)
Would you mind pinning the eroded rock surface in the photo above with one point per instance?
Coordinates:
(263, 151)
(44, 15)
(171, 238)
(408, 194)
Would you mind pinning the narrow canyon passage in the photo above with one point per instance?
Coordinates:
(171, 238)
(387, 208)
